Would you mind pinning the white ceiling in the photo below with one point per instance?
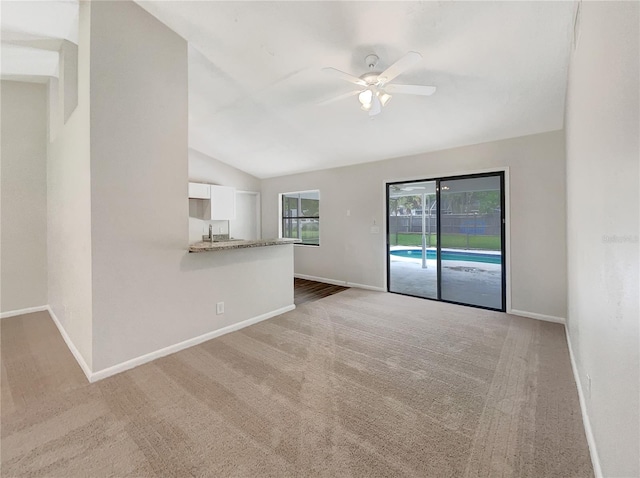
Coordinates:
(255, 77)
(31, 34)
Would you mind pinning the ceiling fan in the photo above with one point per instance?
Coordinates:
(375, 88)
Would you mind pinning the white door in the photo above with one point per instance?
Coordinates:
(246, 225)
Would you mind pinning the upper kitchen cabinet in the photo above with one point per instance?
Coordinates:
(223, 203)
(199, 191)
(219, 202)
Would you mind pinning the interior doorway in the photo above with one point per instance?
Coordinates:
(246, 225)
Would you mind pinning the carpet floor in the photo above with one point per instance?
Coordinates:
(360, 383)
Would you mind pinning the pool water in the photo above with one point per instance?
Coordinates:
(450, 255)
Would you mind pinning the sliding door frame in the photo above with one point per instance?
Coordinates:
(503, 236)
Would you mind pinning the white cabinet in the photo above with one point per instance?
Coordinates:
(199, 191)
(219, 204)
(223, 203)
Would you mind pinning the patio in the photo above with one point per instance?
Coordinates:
(468, 282)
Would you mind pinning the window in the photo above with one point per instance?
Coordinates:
(301, 216)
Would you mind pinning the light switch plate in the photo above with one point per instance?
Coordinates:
(375, 229)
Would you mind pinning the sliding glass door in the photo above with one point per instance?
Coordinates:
(471, 241)
(412, 239)
(445, 239)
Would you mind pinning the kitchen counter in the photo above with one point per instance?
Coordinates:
(206, 246)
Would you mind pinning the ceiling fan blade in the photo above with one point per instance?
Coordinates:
(399, 66)
(337, 98)
(376, 106)
(410, 89)
(345, 76)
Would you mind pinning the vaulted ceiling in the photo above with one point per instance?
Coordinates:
(255, 77)
(255, 74)
(32, 35)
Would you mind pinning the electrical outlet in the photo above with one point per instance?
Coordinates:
(220, 308)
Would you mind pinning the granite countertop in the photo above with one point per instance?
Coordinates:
(206, 246)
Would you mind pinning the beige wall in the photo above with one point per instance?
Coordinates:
(23, 169)
(69, 210)
(602, 203)
(350, 253)
(148, 292)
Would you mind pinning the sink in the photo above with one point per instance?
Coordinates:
(206, 239)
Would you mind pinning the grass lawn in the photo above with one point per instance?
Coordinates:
(454, 241)
(308, 237)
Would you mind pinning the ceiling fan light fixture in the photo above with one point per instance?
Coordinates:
(365, 98)
(384, 97)
(373, 85)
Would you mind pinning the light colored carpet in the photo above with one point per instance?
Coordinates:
(357, 384)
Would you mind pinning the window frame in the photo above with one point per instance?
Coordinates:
(283, 218)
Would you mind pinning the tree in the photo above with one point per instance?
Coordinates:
(310, 207)
(488, 201)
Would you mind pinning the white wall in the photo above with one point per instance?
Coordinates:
(602, 202)
(23, 280)
(69, 209)
(350, 253)
(205, 169)
(148, 292)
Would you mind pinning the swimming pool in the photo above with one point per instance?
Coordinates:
(449, 255)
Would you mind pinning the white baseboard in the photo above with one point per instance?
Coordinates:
(339, 282)
(591, 442)
(321, 279)
(129, 364)
(365, 286)
(28, 310)
(76, 353)
(535, 315)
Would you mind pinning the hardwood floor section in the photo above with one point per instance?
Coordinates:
(307, 290)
